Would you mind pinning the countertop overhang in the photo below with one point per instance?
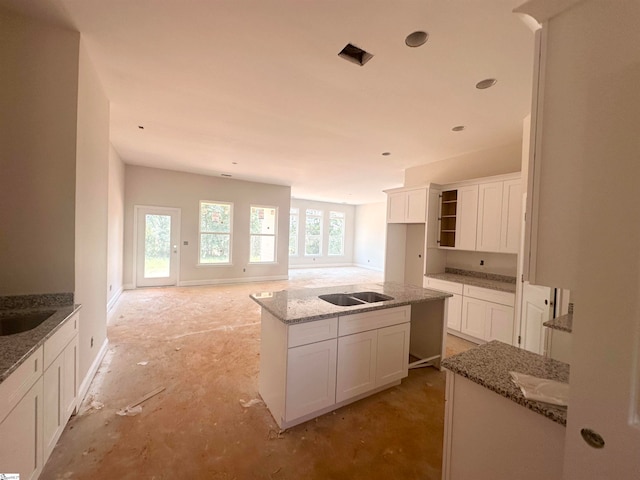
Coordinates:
(303, 305)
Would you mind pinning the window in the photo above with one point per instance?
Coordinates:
(336, 233)
(263, 234)
(215, 233)
(313, 232)
(293, 232)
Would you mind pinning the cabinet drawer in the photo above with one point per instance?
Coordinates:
(19, 382)
(495, 296)
(444, 285)
(311, 332)
(361, 322)
(53, 346)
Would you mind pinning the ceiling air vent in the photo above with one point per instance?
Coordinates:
(355, 55)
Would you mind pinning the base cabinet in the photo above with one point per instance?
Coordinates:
(21, 436)
(486, 320)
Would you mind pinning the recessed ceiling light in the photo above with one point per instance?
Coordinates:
(386, 154)
(486, 83)
(416, 39)
(458, 128)
(140, 127)
(234, 163)
(225, 175)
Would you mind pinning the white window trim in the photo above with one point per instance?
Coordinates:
(344, 233)
(322, 217)
(297, 215)
(219, 264)
(274, 235)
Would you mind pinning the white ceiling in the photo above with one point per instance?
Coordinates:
(259, 83)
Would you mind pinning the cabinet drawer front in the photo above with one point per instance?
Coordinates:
(54, 345)
(496, 296)
(361, 322)
(444, 286)
(311, 332)
(19, 383)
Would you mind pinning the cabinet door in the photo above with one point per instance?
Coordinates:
(21, 436)
(356, 364)
(511, 216)
(467, 218)
(393, 354)
(454, 312)
(53, 423)
(396, 207)
(499, 323)
(311, 378)
(70, 380)
(473, 317)
(489, 216)
(416, 206)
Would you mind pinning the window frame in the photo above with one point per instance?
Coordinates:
(320, 235)
(274, 235)
(297, 239)
(343, 217)
(229, 234)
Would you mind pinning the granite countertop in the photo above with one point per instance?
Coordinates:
(492, 281)
(303, 305)
(563, 323)
(489, 365)
(16, 348)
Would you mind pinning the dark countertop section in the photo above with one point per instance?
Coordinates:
(489, 365)
(303, 305)
(501, 283)
(563, 323)
(16, 348)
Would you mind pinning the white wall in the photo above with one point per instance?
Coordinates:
(302, 260)
(115, 227)
(499, 263)
(166, 188)
(92, 183)
(38, 94)
(483, 163)
(370, 234)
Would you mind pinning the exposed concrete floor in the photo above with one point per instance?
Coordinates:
(202, 345)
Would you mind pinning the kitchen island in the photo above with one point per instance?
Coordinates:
(316, 356)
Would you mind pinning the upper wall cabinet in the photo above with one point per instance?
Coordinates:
(483, 216)
(407, 206)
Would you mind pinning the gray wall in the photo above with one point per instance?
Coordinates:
(166, 188)
(38, 104)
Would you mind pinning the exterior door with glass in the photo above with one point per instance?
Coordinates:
(157, 253)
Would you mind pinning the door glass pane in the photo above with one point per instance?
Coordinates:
(157, 246)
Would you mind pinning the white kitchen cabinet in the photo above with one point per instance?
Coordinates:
(459, 218)
(407, 206)
(511, 224)
(392, 360)
(487, 320)
(453, 304)
(473, 317)
(311, 378)
(489, 217)
(356, 364)
(60, 382)
(21, 400)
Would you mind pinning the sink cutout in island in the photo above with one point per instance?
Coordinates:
(351, 299)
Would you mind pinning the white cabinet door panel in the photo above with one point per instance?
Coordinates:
(393, 354)
(396, 207)
(467, 218)
(416, 206)
(473, 317)
(489, 216)
(511, 217)
(311, 378)
(499, 323)
(356, 364)
(454, 312)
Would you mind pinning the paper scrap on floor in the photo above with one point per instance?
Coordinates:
(541, 389)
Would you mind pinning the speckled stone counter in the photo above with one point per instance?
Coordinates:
(489, 365)
(477, 279)
(563, 323)
(16, 348)
(296, 306)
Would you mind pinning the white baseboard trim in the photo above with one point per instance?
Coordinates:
(86, 382)
(128, 286)
(112, 303)
(223, 281)
(369, 267)
(320, 265)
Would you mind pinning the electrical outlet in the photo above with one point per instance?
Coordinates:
(110, 287)
(91, 342)
(481, 262)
